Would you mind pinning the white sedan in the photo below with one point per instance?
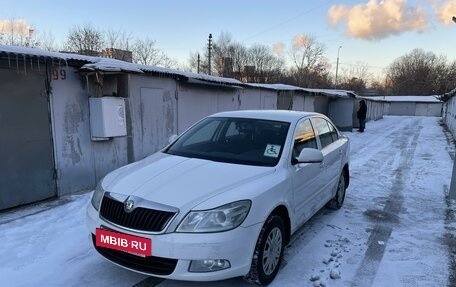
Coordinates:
(222, 199)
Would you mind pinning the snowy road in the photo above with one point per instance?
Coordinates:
(397, 228)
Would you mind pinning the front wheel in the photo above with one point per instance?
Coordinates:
(268, 252)
(338, 200)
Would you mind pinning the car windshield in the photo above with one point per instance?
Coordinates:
(233, 140)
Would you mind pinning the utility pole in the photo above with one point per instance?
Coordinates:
(199, 62)
(209, 48)
(337, 65)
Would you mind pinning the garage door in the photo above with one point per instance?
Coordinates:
(158, 119)
(402, 109)
(26, 152)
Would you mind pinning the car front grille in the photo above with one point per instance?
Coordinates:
(141, 219)
(151, 264)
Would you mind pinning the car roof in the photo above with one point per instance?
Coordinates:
(275, 115)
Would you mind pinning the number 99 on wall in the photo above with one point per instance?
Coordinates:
(58, 74)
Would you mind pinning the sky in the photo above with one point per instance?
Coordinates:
(391, 231)
(370, 32)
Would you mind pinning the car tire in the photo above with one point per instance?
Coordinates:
(268, 253)
(338, 200)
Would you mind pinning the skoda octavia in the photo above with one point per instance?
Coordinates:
(223, 199)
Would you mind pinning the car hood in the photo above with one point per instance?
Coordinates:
(178, 181)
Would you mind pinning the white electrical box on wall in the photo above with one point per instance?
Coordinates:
(107, 117)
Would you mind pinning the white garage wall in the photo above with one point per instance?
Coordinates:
(450, 115)
(80, 162)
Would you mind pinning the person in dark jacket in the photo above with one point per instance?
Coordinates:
(362, 111)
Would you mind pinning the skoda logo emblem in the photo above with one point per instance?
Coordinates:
(129, 205)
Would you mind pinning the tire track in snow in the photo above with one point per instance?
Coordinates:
(379, 145)
(385, 219)
(381, 142)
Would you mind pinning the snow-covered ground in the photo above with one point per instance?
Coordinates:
(397, 227)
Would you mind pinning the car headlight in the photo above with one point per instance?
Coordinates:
(97, 196)
(219, 219)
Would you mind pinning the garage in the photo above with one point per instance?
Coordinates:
(26, 148)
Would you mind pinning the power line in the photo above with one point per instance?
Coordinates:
(359, 65)
(287, 21)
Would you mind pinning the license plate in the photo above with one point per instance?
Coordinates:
(124, 242)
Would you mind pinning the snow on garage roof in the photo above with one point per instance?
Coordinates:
(341, 93)
(26, 51)
(416, 99)
(111, 65)
(278, 87)
(283, 87)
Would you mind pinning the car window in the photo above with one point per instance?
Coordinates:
(233, 140)
(334, 133)
(325, 131)
(304, 137)
(204, 134)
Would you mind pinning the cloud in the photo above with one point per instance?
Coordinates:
(19, 26)
(278, 49)
(301, 40)
(378, 19)
(446, 11)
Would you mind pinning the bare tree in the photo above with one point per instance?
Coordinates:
(228, 58)
(231, 59)
(18, 33)
(144, 52)
(448, 81)
(307, 55)
(240, 55)
(46, 41)
(379, 87)
(85, 40)
(268, 67)
(192, 62)
(222, 53)
(355, 77)
(118, 39)
(195, 63)
(418, 73)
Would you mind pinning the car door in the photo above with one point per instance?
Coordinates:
(333, 150)
(307, 178)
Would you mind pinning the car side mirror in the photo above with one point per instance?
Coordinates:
(309, 155)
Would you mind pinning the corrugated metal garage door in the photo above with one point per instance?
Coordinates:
(26, 152)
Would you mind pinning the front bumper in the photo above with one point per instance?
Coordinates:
(179, 249)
